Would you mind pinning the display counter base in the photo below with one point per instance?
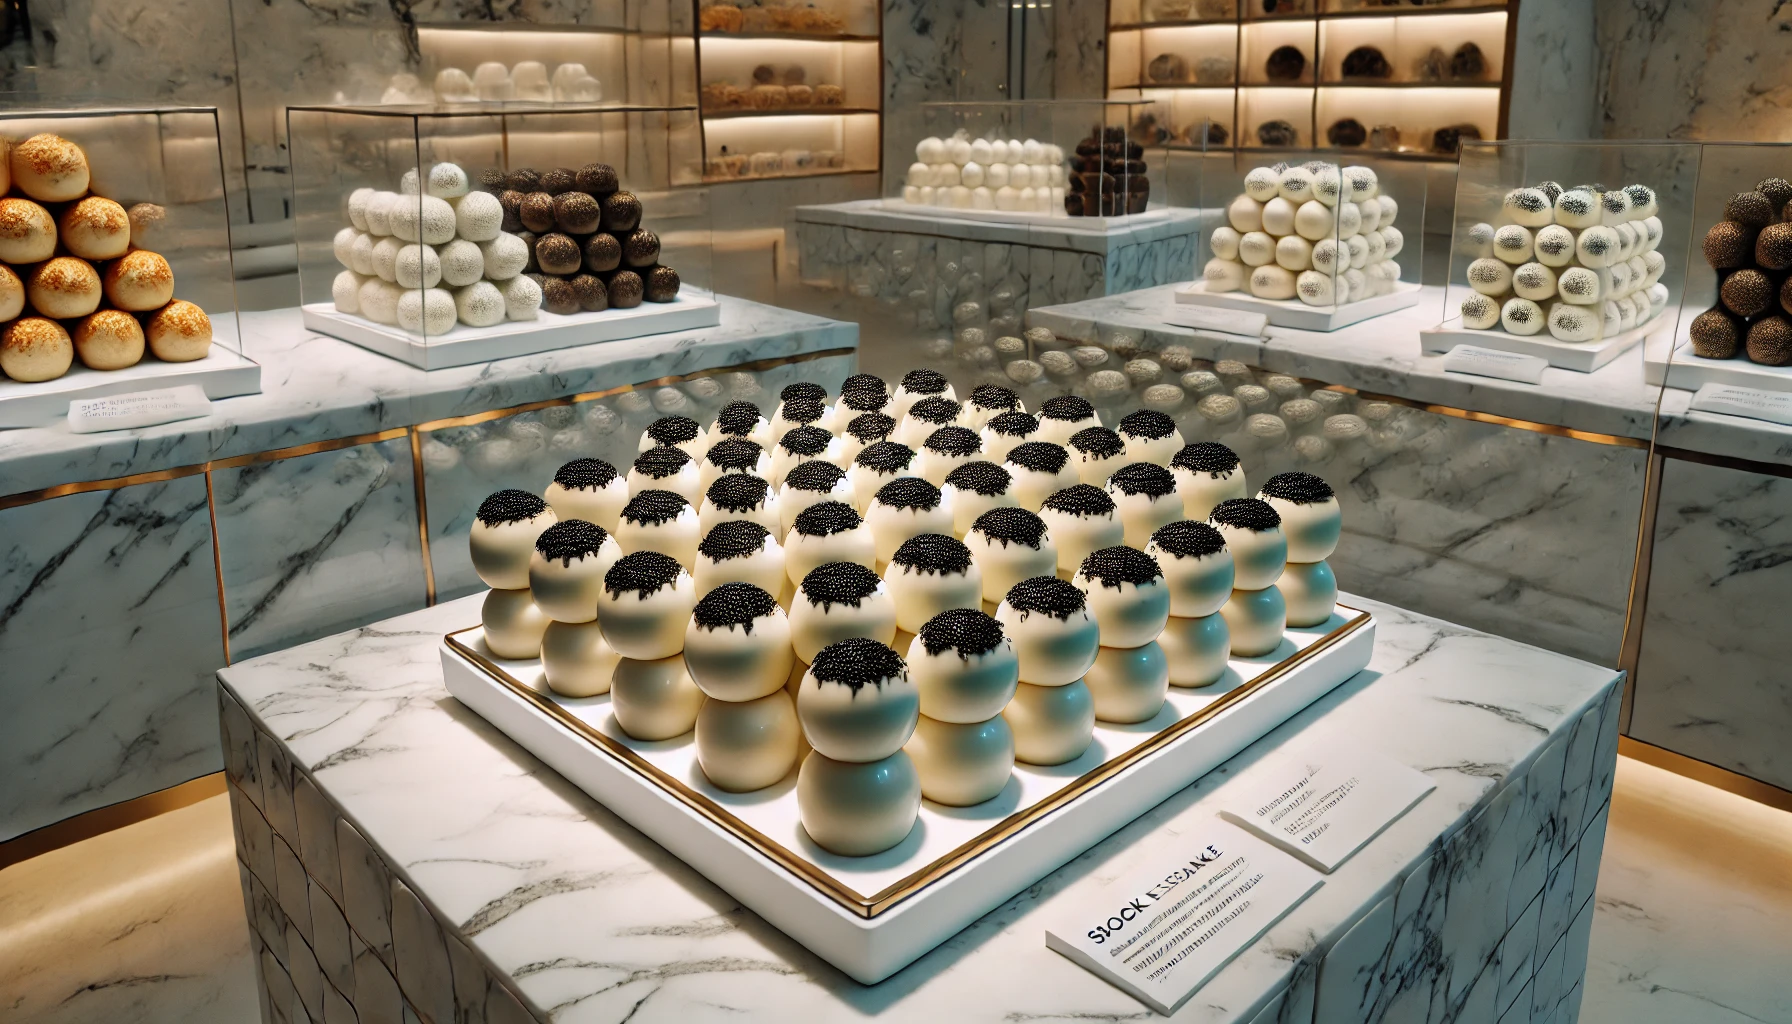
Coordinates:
(222, 373)
(464, 345)
(1584, 356)
(1041, 220)
(870, 916)
(1689, 372)
(1297, 315)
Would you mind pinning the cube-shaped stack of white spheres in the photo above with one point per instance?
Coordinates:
(1582, 263)
(1315, 231)
(987, 174)
(921, 617)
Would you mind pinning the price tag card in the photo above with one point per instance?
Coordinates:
(1217, 318)
(1772, 406)
(1160, 932)
(137, 409)
(1323, 804)
(1489, 362)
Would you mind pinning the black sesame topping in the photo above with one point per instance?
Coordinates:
(651, 507)
(1147, 424)
(1014, 424)
(1575, 203)
(863, 382)
(738, 419)
(1081, 501)
(1011, 525)
(934, 410)
(733, 604)
(923, 382)
(871, 426)
(1640, 195)
(933, 553)
(1526, 199)
(643, 573)
(868, 398)
(1047, 595)
(662, 462)
(809, 441)
(736, 538)
(583, 474)
(909, 492)
(993, 396)
(1206, 457)
(857, 662)
(673, 430)
(966, 630)
(985, 478)
(1067, 408)
(1246, 514)
(847, 583)
(826, 518)
(1299, 488)
(959, 441)
(1097, 442)
(814, 475)
(510, 506)
(734, 453)
(802, 410)
(740, 492)
(886, 457)
(1039, 456)
(802, 389)
(1145, 478)
(1188, 539)
(1120, 564)
(570, 539)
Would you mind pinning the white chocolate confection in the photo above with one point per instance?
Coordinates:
(345, 291)
(1245, 214)
(827, 531)
(1479, 241)
(1596, 247)
(739, 551)
(735, 455)
(1149, 437)
(945, 449)
(430, 312)
(1480, 312)
(1081, 520)
(576, 660)
(447, 181)
(1272, 282)
(505, 256)
(1490, 276)
(1310, 591)
(973, 489)
(1360, 183)
(665, 468)
(645, 605)
(930, 574)
(1005, 431)
(1097, 452)
(1296, 185)
(836, 601)
(1224, 275)
(1146, 496)
(1311, 518)
(906, 507)
(856, 810)
(513, 625)
(1317, 289)
(748, 745)
(1223, 240)
(961, 765)
(800, 445)
(1294, 253)
(1513, 244)
(479, 304)
(502, 538)
(878, 464)
(1197, 567)
(745, 497)
(378, 300)
(566, 571)
(1522, 316)
(916, 385)
(1528, 207)
(1256, 620)
(801, 405)
(1315, 220)
(654, 699)
(1129, 684)
(1010, 545)
(385, 258)
(988, 401)
(964, 666)
(737, 644)
(1583, 286)
(1262, 183)
(1278, 217)
(1196, 649)
(1576, 323)
(1206, 473)
(662, 521)
(1039, 469)
(1126, 593)
(1051, 724)
(1061, 417)
(740, 420)
(1054, 634)
(858, 700)
(1253, 533)
(809, 484)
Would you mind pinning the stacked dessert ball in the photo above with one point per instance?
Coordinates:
(1751, 250)
(1107, 175)
(444, 248)
(1581, 263)
(74, 282)
(923, 616)
(987, 174)
(1316, 232)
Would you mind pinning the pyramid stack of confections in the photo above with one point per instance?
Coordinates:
(1107, 175)
(1751, 250)
(75, 279)
(444, 249)
(963, 173)
(1582, 263)
(924, 616)
(1312, 231)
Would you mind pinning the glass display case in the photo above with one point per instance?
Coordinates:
(115, 267)
(455, 234)
(1312, 239)
(1573, 252)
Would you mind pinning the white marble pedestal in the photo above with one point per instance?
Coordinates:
(403, 861)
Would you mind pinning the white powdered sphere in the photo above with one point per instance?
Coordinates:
(1393, 272)
(1611, 324)
(1315, 220)
(1359, 251)
(996, 175)
(378, 213)
(1224, 242)
(1294, 253)
(959, 197)
(924, 195)
(1020, 176)
(1657, 294)
(1479, 241)
(1221, 275)
(1553, 246)
(1654, 263)
(1480, 312)
(379, 300)
(1031, 152)
(1296, 185)
(1328, 184)
(945, 175)
(1329, 256)
(427, 311)
(919, 174)
(1278, 216)
(1272, 282)
(1628, 311)
(1358, 282)
(1513, 243)
(522, 298)
(1614, 207)
(1392, 241)
(1381, 275)
(1639, 273)
(1573, 323)
(981, 152)
(1619, 276)
(478, 216)
(1007, 198)
(1256, 248)
(505, 257)
(454, 86)
(343, 247)
(1489, 276)
(1360, 183)
(1370, 209)
(417, 266)
(958, 151)
(930, 151)
(1652, 233)
(462, 263)
(409, 184)
(982, 198)
(1630, 240)
(385, 258)
(1528, 207)
(357, 207)
(1522, 316)
(438, 221)
(1584, 286)
(1597, 246)
(1245, 214)
(1262, 183)
(447, 181)
(1350, 219)
(404, 214)
(1378, 249)
(1315, 289)
(480, 304)
(345, 291)
(911, 195)
(361, 255)
(1389, 208)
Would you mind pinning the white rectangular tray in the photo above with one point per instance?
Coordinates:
(222, 373)
(1690, 372)
(1042, 220)
(871, 916)
(1584, 356)
(1297, 315)
(464, 345)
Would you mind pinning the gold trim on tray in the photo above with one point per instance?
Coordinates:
(1001, 831)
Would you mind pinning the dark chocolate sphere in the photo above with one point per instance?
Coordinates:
(557, 296)
(1365, 62)
(529, 239)
(1347, 132)
(1715, 333)
(626, 289)
(1747, 292)
(1773, 247)
(576, 213)
(598, 179)
(622, 213)
(523, 179)
(641, 248)
(558, 180)
(491, 180)
(1285, 64)
(602, 253)
(1277, 133)
(537, 211)
(1786, 296)
(1728, 244)
(1750, 209)
(1777, 190)
(593, 296)
(558, 254)
(662, 284)
(512, 202)
(1770, 341)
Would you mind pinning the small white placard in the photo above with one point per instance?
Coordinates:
(1161, 932)
(1323, 804)
(1772, 406)
(1488, 362)
(1217, 318)
(137, 409)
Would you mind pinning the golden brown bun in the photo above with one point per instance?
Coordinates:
(109, 340)
(95, 229)
(139, 281)
(35, 349)
(12, 294)
(50, 169)
(64, 288)
(27, 234)
(180, 333)
(145, 219)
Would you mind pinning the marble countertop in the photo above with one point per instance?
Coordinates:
(316, 388)
(597, 923)
(872, 215)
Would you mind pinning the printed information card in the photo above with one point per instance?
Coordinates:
(1323, 804)
(1216, 318)
(1161, 932)
(1772, 406)
(137, 409)
(1488, 362)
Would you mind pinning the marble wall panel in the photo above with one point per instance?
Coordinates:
(1693, 69)
(1554, 63)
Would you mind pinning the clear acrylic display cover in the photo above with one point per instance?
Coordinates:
(1079, 148)
(1308, 237)
(449, 282)
(1565, 311)
(164, 167)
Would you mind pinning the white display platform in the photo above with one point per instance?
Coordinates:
(1297, 315)
(1043, 220)
(222, 373)
(871, 916)
(1585, 356)
(1690, 372)
(464, 345)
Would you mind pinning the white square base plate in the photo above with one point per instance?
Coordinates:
(1042, 220)
(1690, 372)
(1297, 315)
(464, 345)
(1585, 356)
(222, 373)
(871, 916)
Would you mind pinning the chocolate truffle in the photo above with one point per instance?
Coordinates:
(1777, 190)
(558, 181)
(592, 295)
(1277, 133)
(662, 284)
(576, 213)
(1773, 247)
(1715, 334)
(523, 179)
(641, 248)
(491, 180)
(1285, 64)
(512, 202)
(529, 239)
(602, 253)
(1467, 62)
(558, 254)
(1747, 292)
(597, 179)
(1770, 341)
(557, 296)
(626, 289)
(1347, 132)
(1786, 296)
(1450, 139)
(622, 213)
(1728, 244)
(537, 211)
(1750, 209)
(1366, 62)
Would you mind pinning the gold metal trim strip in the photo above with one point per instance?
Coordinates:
(897, 892)
(1705, 772)
(101, 820)
(312, 448)
(1488, 417)
(422, 499)
(211, 512)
